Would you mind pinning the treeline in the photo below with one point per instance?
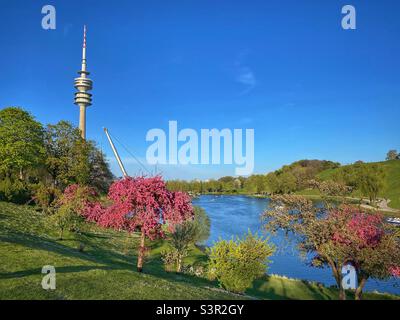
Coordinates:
(288, 179)
(365, 178)
(38, 162)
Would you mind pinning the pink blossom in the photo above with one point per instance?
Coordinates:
(143, 203)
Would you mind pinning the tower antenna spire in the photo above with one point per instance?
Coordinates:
(83, 84)
(84, 49)
(84, 36)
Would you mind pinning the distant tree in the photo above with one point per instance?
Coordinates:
(237, 184)
(331, 188)
(227, 183)
(302, 175)
(371, 181)
(272, 183)
(226, 179)
(392, 155)
(256, 184)
(21, 142)
(287, 182)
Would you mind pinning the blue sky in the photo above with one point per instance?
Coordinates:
(285, 68)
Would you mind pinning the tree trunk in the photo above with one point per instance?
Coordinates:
(142, 249)
(338, 277)
(358, 295)
(179, 264)
(342, 293)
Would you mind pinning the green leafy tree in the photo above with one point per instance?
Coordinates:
(191, 232)
(272, 183)
(257, 184)
(202, 225)
(237, 263)
(64, 147)
(70, 159)
(100, 175)
(21, 142)
(298, 216)
(371, 181)
(392, 155)
(336, 236)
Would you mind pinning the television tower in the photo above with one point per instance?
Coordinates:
(83, 84)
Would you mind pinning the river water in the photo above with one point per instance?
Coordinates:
(234, 215)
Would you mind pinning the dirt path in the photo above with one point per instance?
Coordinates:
(382, 205)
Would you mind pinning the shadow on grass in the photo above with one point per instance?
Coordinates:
(263, 288)
(258, 290)
(96, 254)
(107, 260)
(66, 269)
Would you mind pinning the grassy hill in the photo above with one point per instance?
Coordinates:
(106, 268)
(392, 180)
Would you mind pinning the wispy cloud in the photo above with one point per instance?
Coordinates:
(244, 74)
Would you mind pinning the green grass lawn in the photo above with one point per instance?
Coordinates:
(392, 181)
(106, 268)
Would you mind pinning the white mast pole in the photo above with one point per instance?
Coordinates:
(121, 165)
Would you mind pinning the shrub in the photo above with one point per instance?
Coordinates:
(14, 191)
(194, 270)
(66, 218)
(71, 209)
(237, 263)
(46, 196)
(169, 258)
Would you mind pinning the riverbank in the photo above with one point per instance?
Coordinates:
(311, 194)
(234, 216)
(106, 268)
